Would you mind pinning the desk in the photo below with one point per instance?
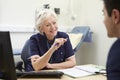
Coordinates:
(64, 77)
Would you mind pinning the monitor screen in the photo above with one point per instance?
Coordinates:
(7, 66)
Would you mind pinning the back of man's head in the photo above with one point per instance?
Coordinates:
(111, 4)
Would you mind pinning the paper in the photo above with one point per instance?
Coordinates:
(75, 38)
(74, 72)
(80, 71)
(90, 68)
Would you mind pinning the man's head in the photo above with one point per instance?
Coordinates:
(112, 17)
(111, 4)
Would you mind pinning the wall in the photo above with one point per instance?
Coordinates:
(21, 13)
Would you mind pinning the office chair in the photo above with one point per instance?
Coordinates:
(86, 32)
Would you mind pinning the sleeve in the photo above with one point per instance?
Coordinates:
(68, 48)
(113, 64)
(34, 50)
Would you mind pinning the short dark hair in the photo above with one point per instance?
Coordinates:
(111, 4)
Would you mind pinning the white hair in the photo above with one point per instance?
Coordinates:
(42, 16)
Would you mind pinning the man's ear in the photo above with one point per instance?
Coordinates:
(116, 16)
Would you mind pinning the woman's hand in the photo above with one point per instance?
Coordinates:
(49, 66)
(58, 42)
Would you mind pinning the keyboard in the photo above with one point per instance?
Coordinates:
(40, 74)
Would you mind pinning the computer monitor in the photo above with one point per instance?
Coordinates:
(7, 66)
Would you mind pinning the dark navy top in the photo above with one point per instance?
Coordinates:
(39, 45)
(113, 62)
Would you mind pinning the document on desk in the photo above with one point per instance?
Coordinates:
(80, 71)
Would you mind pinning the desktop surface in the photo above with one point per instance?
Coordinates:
(99, 76)
(65, 77)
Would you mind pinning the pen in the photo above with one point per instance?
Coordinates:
(56, 44)
(102, 71)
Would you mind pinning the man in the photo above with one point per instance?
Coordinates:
(111, 12)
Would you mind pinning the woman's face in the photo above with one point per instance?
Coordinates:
(50, 27)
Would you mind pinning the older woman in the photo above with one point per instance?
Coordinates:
(50, 48)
